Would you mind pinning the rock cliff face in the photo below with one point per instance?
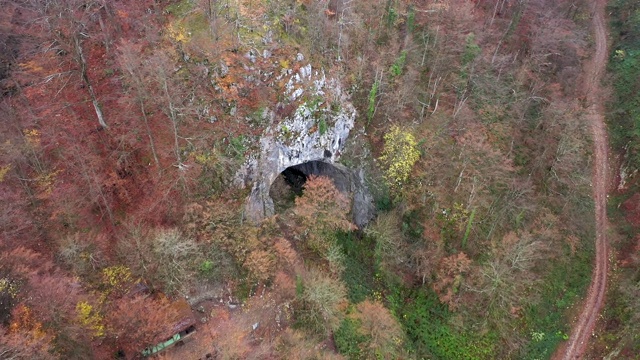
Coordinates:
(311, 139)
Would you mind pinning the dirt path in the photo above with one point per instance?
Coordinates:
(583, 327)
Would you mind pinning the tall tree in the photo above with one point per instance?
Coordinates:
(141, 321)
(130, 60)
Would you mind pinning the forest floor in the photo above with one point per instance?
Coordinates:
(584, 325)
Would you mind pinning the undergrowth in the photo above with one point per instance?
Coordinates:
(624, 65)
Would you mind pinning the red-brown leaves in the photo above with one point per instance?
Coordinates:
(449, 278)
(322, 206)
(320, 212)
(142, 321)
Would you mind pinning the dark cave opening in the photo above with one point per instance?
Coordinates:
(290, 183)
(295, 178)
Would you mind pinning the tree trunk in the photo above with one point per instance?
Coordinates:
(85, 78)
(173, 116)
(146, 124)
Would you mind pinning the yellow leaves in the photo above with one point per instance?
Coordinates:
(207, 159)
(45, 182)
(116, 275)
(89, 317)
(202, 159)
(455, 217)
(32, 137)
(9, 287)
(399, 155)
(177, 32)
(116, 278)
(45, 179)
(3, 171)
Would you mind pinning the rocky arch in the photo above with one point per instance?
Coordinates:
(308, 142)
(351, 183)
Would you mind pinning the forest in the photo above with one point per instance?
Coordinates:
(446, 213)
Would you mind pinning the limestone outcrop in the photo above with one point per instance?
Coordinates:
(311, 138)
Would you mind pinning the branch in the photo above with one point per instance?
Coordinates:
(94, 100)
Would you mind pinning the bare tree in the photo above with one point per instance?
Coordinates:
(68, 22)
(129, 57)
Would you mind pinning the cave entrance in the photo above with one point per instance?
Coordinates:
(289, 184)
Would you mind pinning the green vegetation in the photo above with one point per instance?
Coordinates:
(428, 324)
(180, 8)
(371, 109)
(471, 50)
(468, 230)
(318, 309)
(348, 340)
(624, 64)
(391, 13)
(322, 127)
(619, 338)
(237, 147)
(359, 271)
(560, 290)
(398, 65)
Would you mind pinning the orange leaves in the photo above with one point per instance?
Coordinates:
(286, 252)
(122, 14)
(449, 278)
(322, 206)
(261, 264)
(31, 67)
(142, 321)
(23, 319)
(320, 212)
(383, 331)
(25, 338)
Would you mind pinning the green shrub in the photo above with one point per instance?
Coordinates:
(560, 290)
(206, 268)
(359, 266)
(348, 340)
(426, 322)
(471, 49)
(237, 147)
(624, 64)
(398, 65)
(390, 247)
(371, 109)
(318, 309)
(322, 127)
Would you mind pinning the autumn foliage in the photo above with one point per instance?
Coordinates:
(140, 321)
(450, 276)
(399, 155)
(381, 329)
(322, 207)
(124, 123)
